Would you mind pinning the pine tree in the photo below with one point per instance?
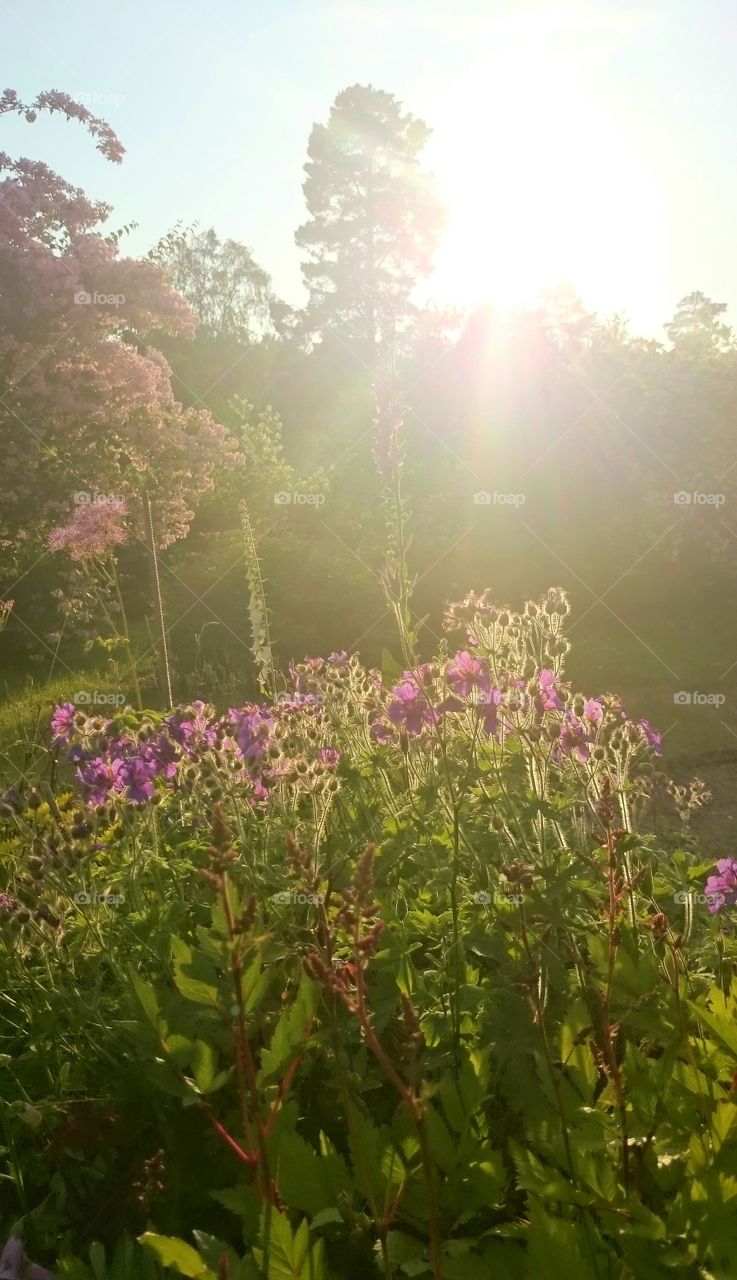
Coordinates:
(374, 220)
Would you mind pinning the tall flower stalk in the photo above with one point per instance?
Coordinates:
(395, 578)
(258, 613)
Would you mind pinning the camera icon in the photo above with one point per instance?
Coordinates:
(82, 297)
(682, 698)
(82, 698)
(682, 499)
(482, 498)
(81, 499)
(282, 897)
(282, 499)
(482, 898)
(83, 898)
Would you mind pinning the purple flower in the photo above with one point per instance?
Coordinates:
(329, 756)
(380, 732)
(652, 737)
(259, 794)
(549, 694)
(99, 777)
(574, 739)
(62, 722)
(252, 727)
(593, 710)
(339, 659)
(192, 727)
(467, 673)
(410, 709)
(162, 755)
(488, 710)
(14, 1265)
(137, 777)
(722, 888)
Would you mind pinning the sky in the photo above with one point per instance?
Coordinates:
(585, 144)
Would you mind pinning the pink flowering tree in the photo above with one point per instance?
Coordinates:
(86, 402)
(90, 538)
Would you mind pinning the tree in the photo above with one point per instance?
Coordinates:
(374, 219)
(86, 404)
(228, 291)
(697, 328)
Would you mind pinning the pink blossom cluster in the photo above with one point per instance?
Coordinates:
(93, 531)
(85, 395)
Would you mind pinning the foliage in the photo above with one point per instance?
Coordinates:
(388, 970)
(87, 404)
(228, 292)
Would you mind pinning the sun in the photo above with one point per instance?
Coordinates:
(545, 186)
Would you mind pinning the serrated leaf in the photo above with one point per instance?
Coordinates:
(195, 975)
(290, 1256)
(309, 1180)
(289, 1032)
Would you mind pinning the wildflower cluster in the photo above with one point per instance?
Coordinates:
(500, 702)
(248, 752)
(509, 683)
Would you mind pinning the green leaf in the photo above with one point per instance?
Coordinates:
(290, 1256)
(147, 998)
(534, 1176)
(575, 1053)
(204, 1065)
(558, 1249)
(390, 668)
(373, 1156)
(307, 1179)
(290, 1030)
(97, 1260)
(254, 985)
(195, 975)
(327, 1218)
(178, 1255)
(212, 1250)
(719, 1013)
